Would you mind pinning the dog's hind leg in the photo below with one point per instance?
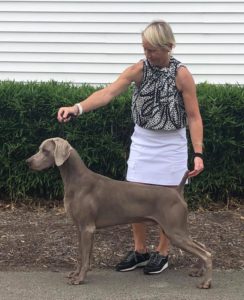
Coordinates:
(198, 270)
(184, 242)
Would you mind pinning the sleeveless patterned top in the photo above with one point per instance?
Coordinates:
(157, 103)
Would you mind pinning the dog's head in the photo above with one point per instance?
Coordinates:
(54, 151)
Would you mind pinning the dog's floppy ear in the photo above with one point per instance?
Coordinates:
(62, 151)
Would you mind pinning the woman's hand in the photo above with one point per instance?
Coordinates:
(198, 167)
(66, 113)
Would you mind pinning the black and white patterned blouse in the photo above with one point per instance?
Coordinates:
(157, 103)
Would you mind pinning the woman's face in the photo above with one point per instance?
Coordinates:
(157, 56)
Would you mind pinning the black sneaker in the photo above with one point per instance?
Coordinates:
(132, 261)
(157, 263)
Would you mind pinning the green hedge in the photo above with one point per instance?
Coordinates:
(222, 109)
(102, 137)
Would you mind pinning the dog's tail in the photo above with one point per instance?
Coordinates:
(180, 187)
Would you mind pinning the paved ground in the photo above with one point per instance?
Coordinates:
(110, 285)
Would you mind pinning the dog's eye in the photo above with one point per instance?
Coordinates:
(45, 151)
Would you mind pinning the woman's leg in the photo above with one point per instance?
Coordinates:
(139, 234)
(163, 247)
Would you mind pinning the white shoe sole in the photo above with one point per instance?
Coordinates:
(142, 264)
(159, 271)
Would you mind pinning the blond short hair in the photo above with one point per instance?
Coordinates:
(159, 34)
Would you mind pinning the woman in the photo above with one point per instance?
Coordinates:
(163, 102)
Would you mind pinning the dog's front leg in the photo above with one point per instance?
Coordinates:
(86, 234)
(75, 273)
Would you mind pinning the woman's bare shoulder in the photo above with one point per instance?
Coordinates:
(137, 72)
(184, 78)
(137, 67)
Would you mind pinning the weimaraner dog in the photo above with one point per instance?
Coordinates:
(94, 201)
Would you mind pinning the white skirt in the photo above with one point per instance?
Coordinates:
(157, 157)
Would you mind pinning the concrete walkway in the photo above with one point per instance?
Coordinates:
(111, 285)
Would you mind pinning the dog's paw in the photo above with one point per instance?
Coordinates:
(205, 284)
(75, 281)
(72, 274)
(196, 272)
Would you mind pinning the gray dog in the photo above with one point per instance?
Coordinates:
(94, 201)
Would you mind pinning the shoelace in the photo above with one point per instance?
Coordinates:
(155, 258)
